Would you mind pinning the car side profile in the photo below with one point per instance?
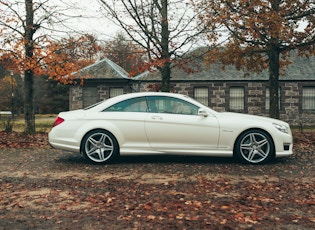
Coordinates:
(167, 123)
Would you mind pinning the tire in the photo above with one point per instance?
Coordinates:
(254, 147)
(99, 146)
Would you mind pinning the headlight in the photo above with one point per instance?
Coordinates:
(281, 128)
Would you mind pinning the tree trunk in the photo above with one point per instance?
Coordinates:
(29, 114)
(166, 68)
(166, 77)
(274, 55)
(274, 66)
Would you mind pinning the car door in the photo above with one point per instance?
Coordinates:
(176, 127)
(126, 120)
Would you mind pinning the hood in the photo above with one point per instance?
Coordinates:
(249, 116)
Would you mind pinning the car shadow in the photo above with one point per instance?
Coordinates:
(174, 159)
(162, 159)
(71, 159)
(149, 159)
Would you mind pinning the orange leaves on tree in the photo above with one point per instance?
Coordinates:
(126, 54)
(257, 27)
(148, 66)
(7, 84)
(58, 60)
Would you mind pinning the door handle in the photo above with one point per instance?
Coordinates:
(156, 118)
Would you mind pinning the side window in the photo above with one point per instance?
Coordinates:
(132, 105)
(162, 104)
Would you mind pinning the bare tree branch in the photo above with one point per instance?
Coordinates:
(164, 28)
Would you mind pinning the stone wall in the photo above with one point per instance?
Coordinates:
(75, 97)
(290, 110)
(102, 91)
(256, 98)
(218, 96)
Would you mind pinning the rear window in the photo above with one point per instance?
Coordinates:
(92, 106)
(138, 104)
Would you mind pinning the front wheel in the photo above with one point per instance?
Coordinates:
(254, 147)
(99, 146)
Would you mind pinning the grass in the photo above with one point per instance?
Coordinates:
(43, 123)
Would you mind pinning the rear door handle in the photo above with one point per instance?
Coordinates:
(156, 118)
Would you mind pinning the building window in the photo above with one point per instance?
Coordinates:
(267, 102)
(237, 99)
(113, 92)
(308, 100)
(202, 95)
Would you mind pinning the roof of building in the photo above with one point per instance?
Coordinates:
(302, 68)
(103, 69)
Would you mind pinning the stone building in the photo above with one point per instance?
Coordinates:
(222, 89)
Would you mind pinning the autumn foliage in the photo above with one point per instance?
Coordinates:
(125, 53)
(260, 34)
(58, 60)
(6, 85)
(254, 27)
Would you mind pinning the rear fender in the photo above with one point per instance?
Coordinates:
(88, 127)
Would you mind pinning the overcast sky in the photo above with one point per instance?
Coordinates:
(92, 21)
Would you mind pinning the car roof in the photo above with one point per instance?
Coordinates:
(138, 94)
(143, 94)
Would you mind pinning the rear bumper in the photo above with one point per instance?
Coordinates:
(70, 148)
(63, 144)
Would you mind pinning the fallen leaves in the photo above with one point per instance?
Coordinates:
(21, 140)
(55, 190)
(305, 141)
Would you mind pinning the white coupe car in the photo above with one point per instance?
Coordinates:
(167, 123)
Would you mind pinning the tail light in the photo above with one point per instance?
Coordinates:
(58, 121)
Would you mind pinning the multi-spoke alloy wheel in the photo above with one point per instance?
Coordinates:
(254, 146)
(99, 146)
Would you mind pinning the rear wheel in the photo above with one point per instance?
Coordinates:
(254, 147)
(99, 146)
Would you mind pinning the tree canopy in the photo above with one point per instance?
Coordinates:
(261, 33)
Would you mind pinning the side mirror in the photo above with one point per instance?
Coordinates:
(202, 112)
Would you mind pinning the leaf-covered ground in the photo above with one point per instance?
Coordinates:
(20, 140)
(43, 188)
